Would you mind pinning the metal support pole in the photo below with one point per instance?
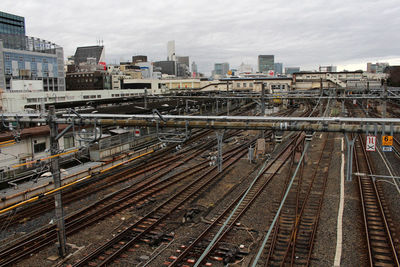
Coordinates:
(343, 109)
(55, 170)
(262, 99)
(384, 99)
(220, 137)
(350, 152)
(228, 105)
(145, 98)
(216, 104)
(321, 88)
(262, 106)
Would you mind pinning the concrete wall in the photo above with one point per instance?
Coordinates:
(14, 102)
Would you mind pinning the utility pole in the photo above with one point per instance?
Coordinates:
(55, 170)
(384, 99)
(262, 105)
(145, 97)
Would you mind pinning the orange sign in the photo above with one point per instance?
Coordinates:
(387, 140)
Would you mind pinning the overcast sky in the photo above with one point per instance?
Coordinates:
(305, 33)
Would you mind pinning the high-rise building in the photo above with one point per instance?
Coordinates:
(221, 68)
(11, 24)
(278, 67)
(194, 68)
(291, 70)
(84, 52)
(378, 67)
(166, 67)
(265, 63)
(183, 60)
(28, 58)
(171, 50)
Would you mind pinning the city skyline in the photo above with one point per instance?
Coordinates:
(346, 34)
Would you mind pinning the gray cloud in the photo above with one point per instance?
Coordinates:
(304, 33)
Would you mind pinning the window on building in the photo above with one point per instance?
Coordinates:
(250, 84)
(39, 147)
(244, 84)
(21, 58)
(69, 142)
(238, 85)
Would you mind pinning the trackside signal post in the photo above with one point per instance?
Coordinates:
(55, 170)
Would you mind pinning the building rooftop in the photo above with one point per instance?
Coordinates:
(28, 43)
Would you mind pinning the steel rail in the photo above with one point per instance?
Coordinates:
(161, 212)
(240, 199)
(371, 201)
(123, 198)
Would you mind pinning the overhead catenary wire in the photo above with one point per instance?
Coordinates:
(261, 249)
(35, 198)
(211, 244)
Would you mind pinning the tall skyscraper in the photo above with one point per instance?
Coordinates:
(265, 63)
(221, 68)
(194, 68)
(11, 24)
(278, 67)
(171, 50)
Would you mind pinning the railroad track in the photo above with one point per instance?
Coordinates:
(137, 231)
(381, 247)
(191, 252)
(293, 235)
(132, 196)
(145, 167)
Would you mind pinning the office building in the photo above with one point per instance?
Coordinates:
(30, 58)
(378, 67)
(183, 60)
(147, 69)
(291, 70)
(171, 50)
(221, 69)
(90, 80)
(140, 58)
(278, 67)
(327, 68)
(11, 24)
(265, 63)
(96, 52)
(194, 69)
(166, 67)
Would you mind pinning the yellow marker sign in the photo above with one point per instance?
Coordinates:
(387, 140)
